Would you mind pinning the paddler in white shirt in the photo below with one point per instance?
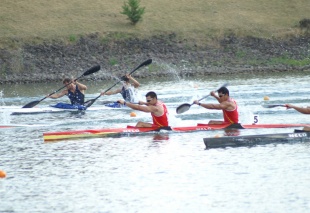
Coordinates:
(127, 90)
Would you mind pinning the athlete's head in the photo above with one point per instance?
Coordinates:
(124, 78)
(151, 97)
(223, 91)
(66, 80)
(151, 94)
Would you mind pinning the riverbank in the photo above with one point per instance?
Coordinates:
(54, 60)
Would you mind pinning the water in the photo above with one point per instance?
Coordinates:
(156, 172)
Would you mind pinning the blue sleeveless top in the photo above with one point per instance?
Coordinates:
(76, 98)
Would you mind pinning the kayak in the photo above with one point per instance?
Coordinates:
(252, 140)
(51, 109)
(115, 105)
(6, 126)
(107, 132)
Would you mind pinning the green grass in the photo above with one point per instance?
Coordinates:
(196, 20)
(113, 61)
(289, 61)
(72, 38)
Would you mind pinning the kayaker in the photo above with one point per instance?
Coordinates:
(226, 104)
(152, 105)
(74, 90)
(303, 110)
(127, 90)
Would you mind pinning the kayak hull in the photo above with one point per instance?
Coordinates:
(52, 136)
(6, 126)
(25, 111)
(253, 140)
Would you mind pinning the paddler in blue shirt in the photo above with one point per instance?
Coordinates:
(127, 90)
(303, 110)
(74, 90)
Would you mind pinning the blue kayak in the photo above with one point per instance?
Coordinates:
(69, 106)
(114, 105)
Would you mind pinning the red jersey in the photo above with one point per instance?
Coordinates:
(161, 120)
(231, 116)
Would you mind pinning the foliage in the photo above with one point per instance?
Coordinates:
(289, 61)
(304, 24)
(113, 61)
(72, 38)
(134, 12)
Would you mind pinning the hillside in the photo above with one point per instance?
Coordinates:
(51, 34)
(192, 19)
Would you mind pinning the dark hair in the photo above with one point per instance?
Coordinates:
(151, 94)
(124, 78)
(224, 91)
(66, 80)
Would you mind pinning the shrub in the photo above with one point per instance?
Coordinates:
(132, 9)
(72, 38)
(305, 24)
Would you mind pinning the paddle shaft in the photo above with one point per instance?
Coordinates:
(93, 100)
(273, 105)
(201, 99)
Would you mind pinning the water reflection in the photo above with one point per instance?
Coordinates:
(159, 137)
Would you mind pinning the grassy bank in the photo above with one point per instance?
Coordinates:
(198, 20)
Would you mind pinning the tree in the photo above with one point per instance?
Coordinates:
(132, 9)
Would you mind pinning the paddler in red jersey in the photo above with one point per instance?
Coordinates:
(226, 104)
(303, 110)
(156, 107)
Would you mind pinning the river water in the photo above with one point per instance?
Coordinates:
(156, 172)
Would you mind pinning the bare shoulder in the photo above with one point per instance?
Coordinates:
(230, 105)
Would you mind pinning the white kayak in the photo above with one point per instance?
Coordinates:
(7, 126)
(14, 110)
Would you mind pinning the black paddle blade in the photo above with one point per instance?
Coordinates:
(90, 102)
(31, 104)
(92, 70)
(147, 62)
(183, 108)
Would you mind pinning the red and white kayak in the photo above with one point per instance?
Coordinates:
(52, 136)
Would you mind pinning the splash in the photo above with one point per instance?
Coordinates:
(1, 98)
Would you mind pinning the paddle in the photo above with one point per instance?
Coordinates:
(273, 105)
(185, 107)
(90, 102)
(88, 72)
